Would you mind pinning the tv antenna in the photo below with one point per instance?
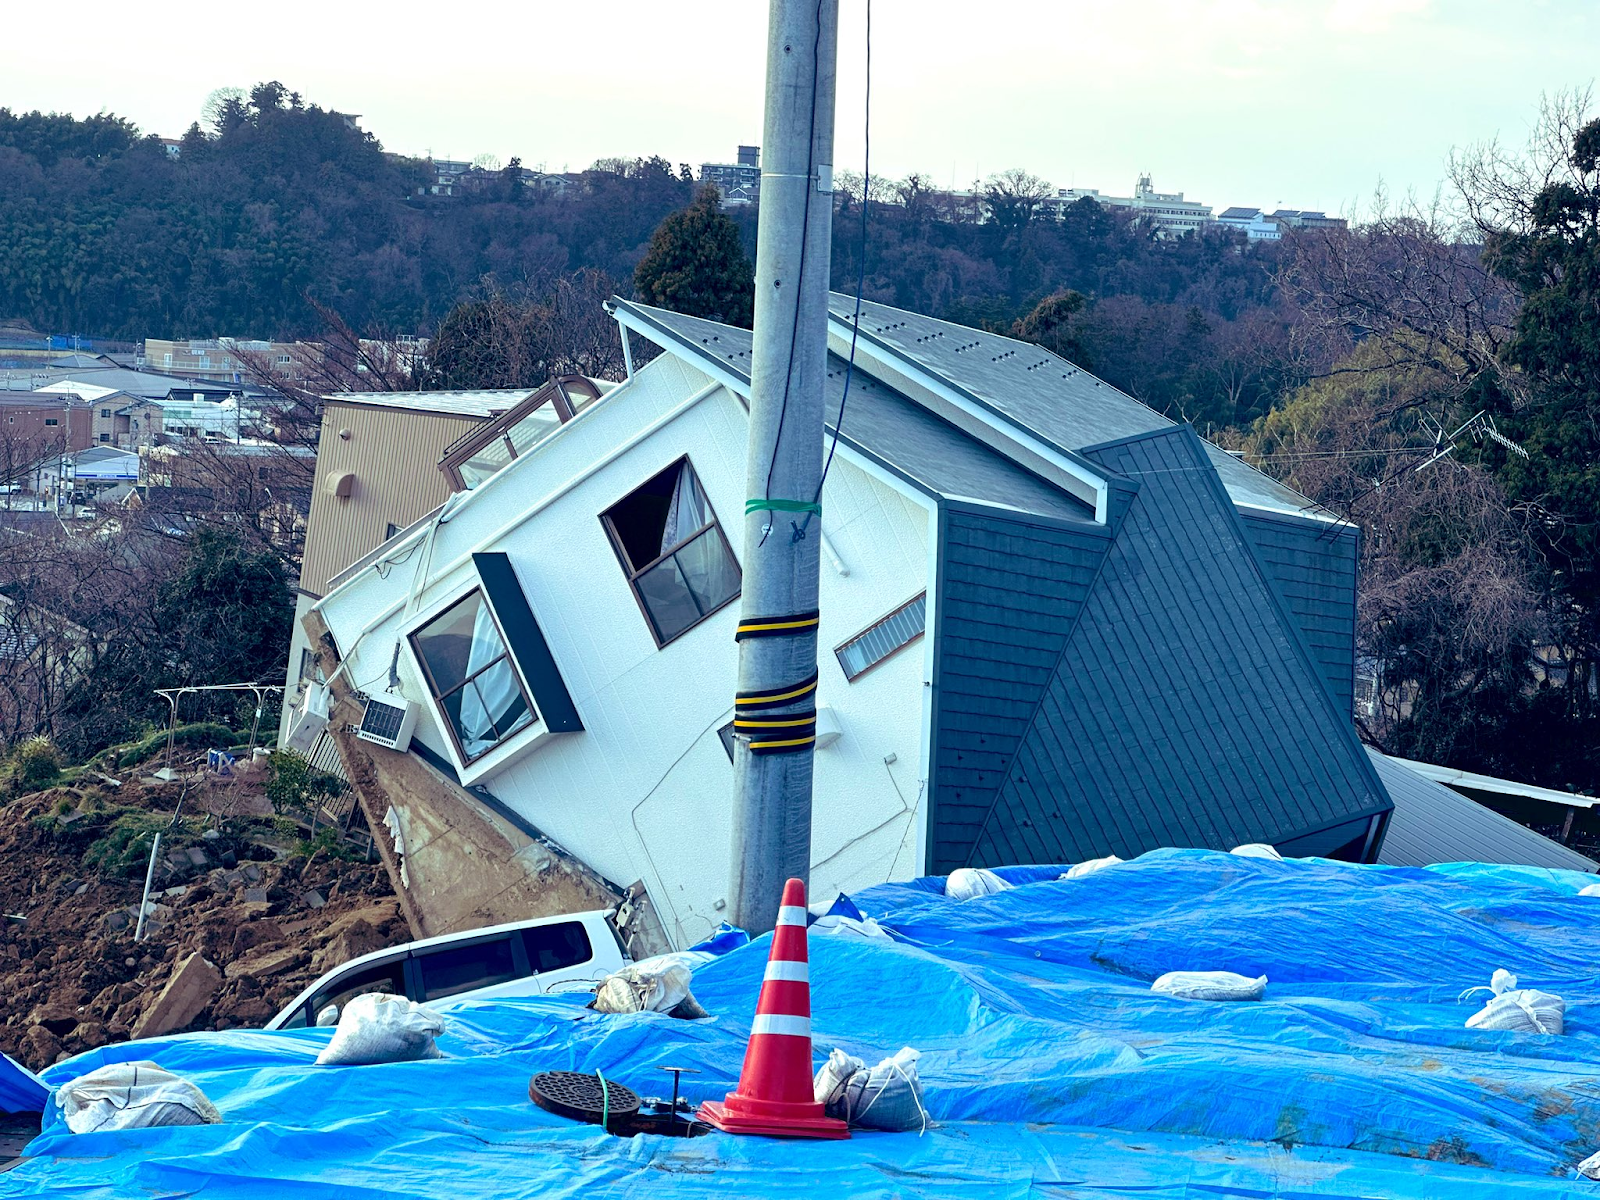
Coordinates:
(1478, 427)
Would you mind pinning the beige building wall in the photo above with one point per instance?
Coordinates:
(392, 458)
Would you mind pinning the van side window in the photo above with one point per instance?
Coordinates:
(551, 947)
(387, 977)
(452, 969)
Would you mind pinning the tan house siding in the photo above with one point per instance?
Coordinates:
(393, 454)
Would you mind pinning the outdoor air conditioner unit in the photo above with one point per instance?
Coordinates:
(309, 720)
(388, 724)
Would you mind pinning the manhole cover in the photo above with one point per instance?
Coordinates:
(582, 1097)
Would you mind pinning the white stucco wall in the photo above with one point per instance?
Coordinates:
(645, 791)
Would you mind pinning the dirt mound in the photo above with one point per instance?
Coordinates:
(263, 906)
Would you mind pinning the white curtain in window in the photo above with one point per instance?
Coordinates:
(491, 698)
(687, 512)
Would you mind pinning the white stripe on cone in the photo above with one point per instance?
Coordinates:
(781, 1024)
(792, 914)
(788, 971)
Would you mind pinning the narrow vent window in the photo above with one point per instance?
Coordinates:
(878, 641)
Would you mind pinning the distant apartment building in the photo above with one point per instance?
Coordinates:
(739, 182)
(229, 360)
(1170, 212)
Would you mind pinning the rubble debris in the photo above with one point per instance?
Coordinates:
(74, 961)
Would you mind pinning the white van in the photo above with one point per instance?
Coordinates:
(525, 958)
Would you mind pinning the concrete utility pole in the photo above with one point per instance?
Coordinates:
(775, 717)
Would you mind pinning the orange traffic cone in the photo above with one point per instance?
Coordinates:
(774, 1096)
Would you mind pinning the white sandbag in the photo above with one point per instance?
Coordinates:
(832, 1077)
(1079, 870)
(1210, 985)
(134, 1095)
(659, 984)
(967, 882)
(888, 1097)
(842, 926)
(1589, 1168)
(1592, 890)
(1521, 1010)
(379, 1028)
(1257, 850)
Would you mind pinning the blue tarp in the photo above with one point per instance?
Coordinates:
(21, 1091)
(1049, 1067)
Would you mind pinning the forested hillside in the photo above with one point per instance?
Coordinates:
(102, 232)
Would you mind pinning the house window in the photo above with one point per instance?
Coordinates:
(878, 641)
(105, 412)
(677, 561)
(470, 673)
(105, 437)
(51, 421)
(389, 530)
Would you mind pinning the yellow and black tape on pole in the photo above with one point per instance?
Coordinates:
(762, 627)
(778, 732)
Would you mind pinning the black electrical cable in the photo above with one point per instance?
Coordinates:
(861, 279)
(805, 228)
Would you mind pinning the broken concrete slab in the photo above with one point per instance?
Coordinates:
(251, 872)
(194, 982)
(117, 920)
(267, 964)
(255, 895)
(313, 899)
(197, 856)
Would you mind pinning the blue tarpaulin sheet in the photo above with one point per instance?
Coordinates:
(21, 1091)
(1048, 1066)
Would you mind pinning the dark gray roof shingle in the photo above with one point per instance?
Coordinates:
(885, 425)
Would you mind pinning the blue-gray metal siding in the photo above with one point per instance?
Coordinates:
(1009, 592)
(1314, 566)
(1186, 708)
(1435, 824)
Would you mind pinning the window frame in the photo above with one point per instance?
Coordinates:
(883, 620)
(633, 576)
(436, 700)
(419, 957)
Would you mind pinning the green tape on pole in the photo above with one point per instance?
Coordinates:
(771, 505)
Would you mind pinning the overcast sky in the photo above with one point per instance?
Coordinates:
(1305, 103)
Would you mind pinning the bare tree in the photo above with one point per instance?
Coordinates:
(1450, 600)
(1411, 279)
(1498, 186)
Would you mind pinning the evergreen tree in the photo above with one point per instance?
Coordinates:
(696, 265)
(1554, 260)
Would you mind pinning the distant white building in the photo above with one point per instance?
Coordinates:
(1169, 210)
(1252, 222)
(1260, 226)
